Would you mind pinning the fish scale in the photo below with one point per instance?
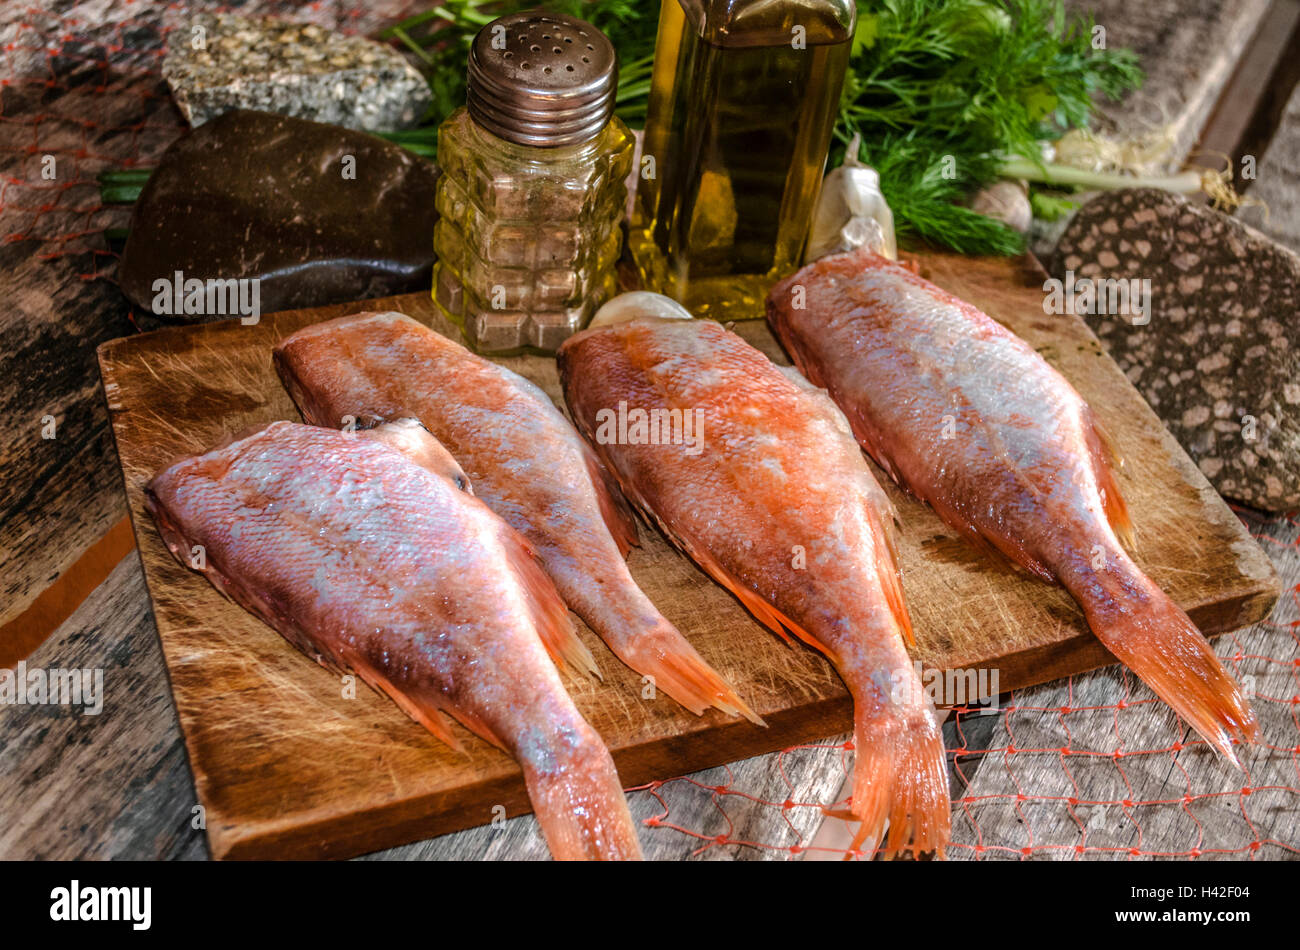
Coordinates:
(1029, 474)
(526, 462)
(367, 552)
(744, 524)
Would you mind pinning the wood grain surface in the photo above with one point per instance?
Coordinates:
(107, 785)
(57, 602)
(58, 497)
(117, 786)
(56, 500)
(1135, 783)
(81, 84)
(286, 764)
(1188, 52)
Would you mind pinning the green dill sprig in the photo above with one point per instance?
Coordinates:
(440, 39)
(948, 95)
(945, 92)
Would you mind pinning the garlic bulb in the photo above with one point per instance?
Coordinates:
(638, 303)
(851, 211)
(1005, 201)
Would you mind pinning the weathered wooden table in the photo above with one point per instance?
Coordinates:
(1085, 767)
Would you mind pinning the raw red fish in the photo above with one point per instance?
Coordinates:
(778, 505)
(525, 461)
(969, 418)
(366, 551)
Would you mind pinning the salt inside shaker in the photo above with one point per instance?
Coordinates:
(532, 191)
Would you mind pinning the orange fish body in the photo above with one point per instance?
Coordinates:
(777, 504)
(524, 460)
(365, 551)
(970, 419)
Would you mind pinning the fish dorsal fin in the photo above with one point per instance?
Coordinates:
(1005, 553)
(1106, 462)
(614, 509)
(886, 557)
(1006, 558)
(881, 514)
(549, 614)
(763, 612)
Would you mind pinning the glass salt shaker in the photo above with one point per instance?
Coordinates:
(532, 188)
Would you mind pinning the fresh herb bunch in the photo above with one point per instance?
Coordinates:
(440, 38)
(944, 92)
(948, 95)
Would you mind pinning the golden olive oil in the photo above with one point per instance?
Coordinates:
(743, 100)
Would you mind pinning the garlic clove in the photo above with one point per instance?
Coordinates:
(851, 212)
(1005, 201)
(638, 303)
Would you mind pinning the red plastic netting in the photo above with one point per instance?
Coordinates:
(1091, 766)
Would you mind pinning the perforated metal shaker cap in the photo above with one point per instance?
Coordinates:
(542, 79)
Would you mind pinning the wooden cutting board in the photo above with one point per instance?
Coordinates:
(288, 763)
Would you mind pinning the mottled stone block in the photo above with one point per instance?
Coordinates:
(219, 62)
(1219, 359)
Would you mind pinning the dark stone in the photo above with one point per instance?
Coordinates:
(256, 195)
(1219, 360)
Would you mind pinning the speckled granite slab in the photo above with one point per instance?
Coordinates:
(1219, 359)
(219, 62)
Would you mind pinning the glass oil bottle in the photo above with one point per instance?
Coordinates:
(743, 100)
(532, 193)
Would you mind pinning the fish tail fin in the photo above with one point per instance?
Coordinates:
(550, 615)
(647, 642)
(1155, 639)
(579, 803)
(900, 778)
(674, 666)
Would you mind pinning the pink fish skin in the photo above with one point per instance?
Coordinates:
(525, 461)
(969, 418)
(777, 504)
(365, 551)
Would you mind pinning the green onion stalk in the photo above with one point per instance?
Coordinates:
(947, 96)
